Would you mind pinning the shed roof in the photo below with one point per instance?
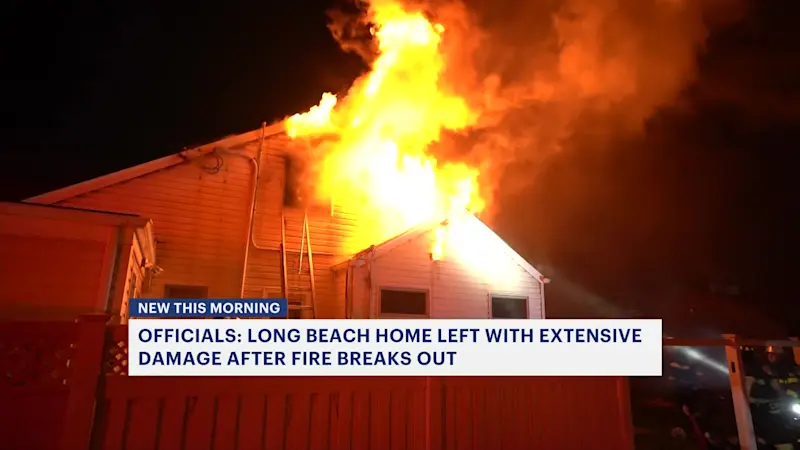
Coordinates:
(143, 227)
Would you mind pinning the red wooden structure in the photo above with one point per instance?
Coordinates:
(64, 386)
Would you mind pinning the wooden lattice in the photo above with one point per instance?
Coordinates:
(27, 360)
(115, 361)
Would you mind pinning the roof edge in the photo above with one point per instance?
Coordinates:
(516, 257)
(73, 214)
(418, 230)
(151, 166)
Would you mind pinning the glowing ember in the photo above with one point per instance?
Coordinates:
(379, 164)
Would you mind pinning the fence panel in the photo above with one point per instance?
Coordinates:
(244, 412)
(34, 386)
(543, 412)
(54, 372)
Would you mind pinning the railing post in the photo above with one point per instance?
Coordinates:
(796, 351)
(85, 365)
(741, 402)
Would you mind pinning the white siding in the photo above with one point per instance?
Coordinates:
(461, 283)
(326, 234)
(200, 224)
(200, 220)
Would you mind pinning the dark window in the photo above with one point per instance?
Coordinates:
(509, 307)
(404, 302)
(298, 192)
(178, 291)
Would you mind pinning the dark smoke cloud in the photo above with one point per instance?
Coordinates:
(570, 74)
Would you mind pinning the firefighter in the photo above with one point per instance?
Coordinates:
(767, 401)
(786, 374)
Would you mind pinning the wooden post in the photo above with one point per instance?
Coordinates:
(741, 402)
(86, 363)
(284, 275)
(626, 415)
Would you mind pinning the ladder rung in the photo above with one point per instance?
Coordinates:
(299, 307)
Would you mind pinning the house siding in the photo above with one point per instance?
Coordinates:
(201, 227)
(328, 230)
(200, 220)
(456, 289)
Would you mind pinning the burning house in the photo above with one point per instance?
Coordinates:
(343, 209)
(228, 222)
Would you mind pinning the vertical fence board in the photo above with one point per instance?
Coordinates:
(415, 420)
(344, 421)
(143, 424)
(200, 422)
(227, 420)
(319, 426)
(360, 434)
(298, 418)
(277, 416)
(434, 420)
(173, 421)
(449, 431)
(116, 421)
(252, 421)
(478, 419)
(463, 418)
(493, 416)
(398, 402)
(379, 419)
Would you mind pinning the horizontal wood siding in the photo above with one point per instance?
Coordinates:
(200, 220)
(459, 284)
(407, 265)
(361, 293)
(329, 232)
(340, 289)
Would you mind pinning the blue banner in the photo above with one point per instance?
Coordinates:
(217, 308)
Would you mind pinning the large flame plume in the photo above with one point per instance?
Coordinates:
(460, 85)
(378, 159)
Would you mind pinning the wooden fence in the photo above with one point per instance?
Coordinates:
(64, 386)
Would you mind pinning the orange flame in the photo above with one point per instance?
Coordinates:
(380, 163)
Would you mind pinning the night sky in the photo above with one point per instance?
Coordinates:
(706, 192)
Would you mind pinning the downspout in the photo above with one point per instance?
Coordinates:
(252, 233)
(253, 204)
(542, 282)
